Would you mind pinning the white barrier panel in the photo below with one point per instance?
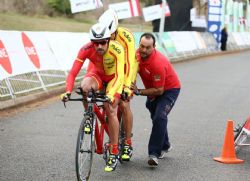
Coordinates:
(183, 41)
(24, 52)
(199, 40)
(237, 38)
(65, 47)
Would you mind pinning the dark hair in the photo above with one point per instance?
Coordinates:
(148, 36)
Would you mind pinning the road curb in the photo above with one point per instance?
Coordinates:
(34, 97)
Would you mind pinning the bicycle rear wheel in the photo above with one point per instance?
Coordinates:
(84, 150)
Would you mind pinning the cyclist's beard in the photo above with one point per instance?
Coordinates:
(100, 51)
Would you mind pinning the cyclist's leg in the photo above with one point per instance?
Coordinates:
(127, 117)
(113, 124)
(91, 81)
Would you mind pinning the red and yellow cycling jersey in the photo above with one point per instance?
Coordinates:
(110, 66)
(126, 39)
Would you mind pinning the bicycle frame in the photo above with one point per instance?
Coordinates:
(243, 132)
(99, 131)
(99, 112)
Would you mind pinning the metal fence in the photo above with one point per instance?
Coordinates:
(24, 84)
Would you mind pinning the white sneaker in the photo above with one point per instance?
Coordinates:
(163, 152)
(153, 161)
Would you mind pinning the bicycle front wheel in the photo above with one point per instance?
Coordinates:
(84, 150)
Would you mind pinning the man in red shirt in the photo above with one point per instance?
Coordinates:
(162, 87)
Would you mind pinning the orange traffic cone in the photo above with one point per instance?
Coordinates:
(228, 152)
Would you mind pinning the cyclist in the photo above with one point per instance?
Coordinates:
(126, 39)
(107, 57)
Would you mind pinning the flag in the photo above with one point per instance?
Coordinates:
(127, 9)
(84, 5)
(214, 18)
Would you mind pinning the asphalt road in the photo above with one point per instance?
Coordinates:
(39, 143)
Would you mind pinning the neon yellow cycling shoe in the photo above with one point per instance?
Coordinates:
(87, 129)
(127, 152)
(111, 164)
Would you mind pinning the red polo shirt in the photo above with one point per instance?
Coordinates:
(156, 71)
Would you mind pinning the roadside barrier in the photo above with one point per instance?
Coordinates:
(38, 61)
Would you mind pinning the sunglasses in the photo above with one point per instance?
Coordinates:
(96, 43)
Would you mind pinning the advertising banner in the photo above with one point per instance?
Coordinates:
(65, 47)
(22, 52)
(214, 18)
(84, 5)
(154, 12)
(127, 9)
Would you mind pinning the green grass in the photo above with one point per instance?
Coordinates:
(10, 21)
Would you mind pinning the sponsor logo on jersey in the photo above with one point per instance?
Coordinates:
(116, 48)
(126, 36)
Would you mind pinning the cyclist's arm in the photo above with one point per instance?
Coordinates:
(128, 43)
(115, 86)
(72, 74)
(82, 55)
(134, 71)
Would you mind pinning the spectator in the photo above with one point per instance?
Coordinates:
(223, 40)
(162, 87)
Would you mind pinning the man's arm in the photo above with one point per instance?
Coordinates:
(147, 92)
(151, 91)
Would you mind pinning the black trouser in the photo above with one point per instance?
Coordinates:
(159, 108)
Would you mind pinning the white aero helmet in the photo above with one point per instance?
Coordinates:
(110, 19)
(99, 32)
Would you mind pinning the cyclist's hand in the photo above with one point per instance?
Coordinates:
(126, 94)
(111, 98)
(65, 96)
(135, 89)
